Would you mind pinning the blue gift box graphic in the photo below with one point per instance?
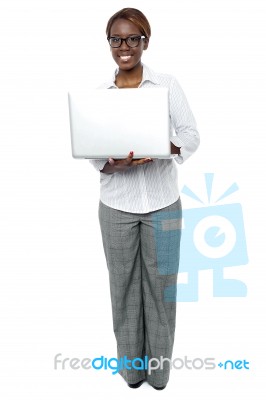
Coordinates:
(212, 237)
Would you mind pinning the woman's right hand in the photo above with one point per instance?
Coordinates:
(123, 164)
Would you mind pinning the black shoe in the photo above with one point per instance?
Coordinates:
(135, 385)
(159, 388)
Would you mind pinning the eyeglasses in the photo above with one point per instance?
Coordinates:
(131, 41)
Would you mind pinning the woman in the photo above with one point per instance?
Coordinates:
(138, 198)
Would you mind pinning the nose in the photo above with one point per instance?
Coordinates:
(124, 45)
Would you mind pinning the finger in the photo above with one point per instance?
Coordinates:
(129, 158)
(142, 161)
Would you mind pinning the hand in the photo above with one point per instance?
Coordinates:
(124, 164)
(174, 149)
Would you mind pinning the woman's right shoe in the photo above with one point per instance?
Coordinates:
(159, 388)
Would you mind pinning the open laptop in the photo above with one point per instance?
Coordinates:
(111, 122)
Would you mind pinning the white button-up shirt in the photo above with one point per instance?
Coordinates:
(154, 185)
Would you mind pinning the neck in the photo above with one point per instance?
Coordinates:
(131, 78)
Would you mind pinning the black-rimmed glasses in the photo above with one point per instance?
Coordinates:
(131, 41)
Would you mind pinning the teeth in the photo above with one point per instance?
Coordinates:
(125, 58)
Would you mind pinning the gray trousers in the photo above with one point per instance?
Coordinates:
(142, 254)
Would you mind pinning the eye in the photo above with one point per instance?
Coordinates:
(115, 39)
(134, 39)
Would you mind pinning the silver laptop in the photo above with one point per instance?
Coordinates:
(112, 122)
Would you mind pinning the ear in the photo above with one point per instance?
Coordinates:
(146, 43)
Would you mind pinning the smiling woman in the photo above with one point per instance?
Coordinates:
(137, 195)
(127, 42)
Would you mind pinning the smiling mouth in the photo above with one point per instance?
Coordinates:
(125, 58)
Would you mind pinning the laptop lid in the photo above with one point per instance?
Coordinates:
(110, 123)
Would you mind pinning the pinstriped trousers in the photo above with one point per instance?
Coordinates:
(142, 263)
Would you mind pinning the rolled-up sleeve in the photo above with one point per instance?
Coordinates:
(186, 134)
(98, 163)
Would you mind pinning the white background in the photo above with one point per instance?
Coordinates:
(54, 282)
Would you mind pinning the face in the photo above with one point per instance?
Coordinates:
(127, 58)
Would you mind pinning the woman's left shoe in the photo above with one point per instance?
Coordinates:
(136, 385)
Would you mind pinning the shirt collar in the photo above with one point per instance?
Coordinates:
(148, 75)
